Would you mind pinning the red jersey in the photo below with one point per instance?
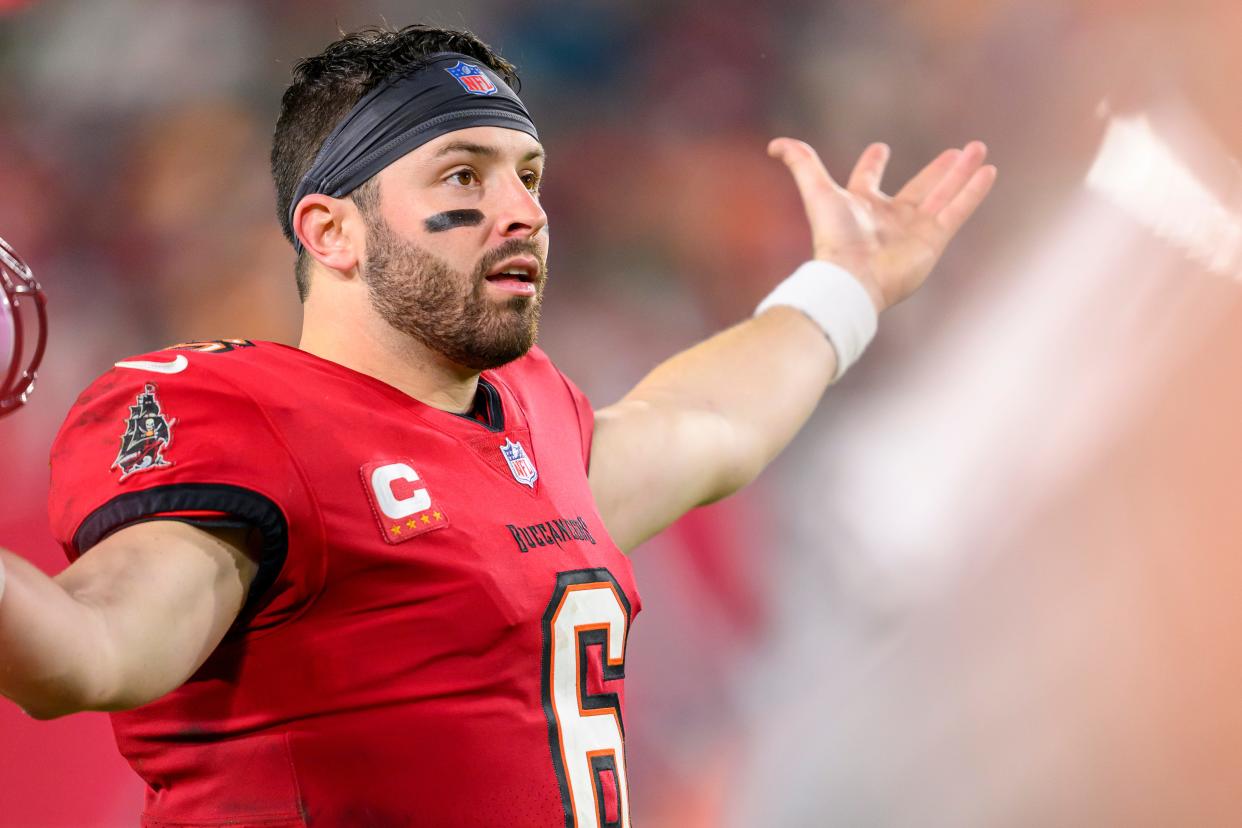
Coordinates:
(436, 634)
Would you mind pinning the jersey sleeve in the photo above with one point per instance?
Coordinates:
(147, 442)
(586, 418)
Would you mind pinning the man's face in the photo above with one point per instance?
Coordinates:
(457, 249)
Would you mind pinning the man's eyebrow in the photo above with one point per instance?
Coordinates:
(483, 150)
(472, 149)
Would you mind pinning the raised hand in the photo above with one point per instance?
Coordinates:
(890, 243)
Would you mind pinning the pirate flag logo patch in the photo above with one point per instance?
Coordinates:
(147, 433)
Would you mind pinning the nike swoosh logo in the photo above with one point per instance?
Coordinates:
(175, 367)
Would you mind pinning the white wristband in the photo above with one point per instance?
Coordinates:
(836, 301)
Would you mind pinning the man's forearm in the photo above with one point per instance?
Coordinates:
(51, 651)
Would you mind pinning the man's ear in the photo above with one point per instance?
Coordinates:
(331, 231)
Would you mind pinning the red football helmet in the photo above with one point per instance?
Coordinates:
(23, 329)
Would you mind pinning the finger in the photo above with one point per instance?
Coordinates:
(963, 205)
(955, 179)
(917, 188)
(808, 171)
(865, 179)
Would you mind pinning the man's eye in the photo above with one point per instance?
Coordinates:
(464, 177)
(531, 180)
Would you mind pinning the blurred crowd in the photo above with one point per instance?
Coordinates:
(134, 137)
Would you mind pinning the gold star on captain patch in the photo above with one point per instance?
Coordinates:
(437, 514)
(396, 530)
(426, 519)
(410, 523)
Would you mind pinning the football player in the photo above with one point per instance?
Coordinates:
(381, 578)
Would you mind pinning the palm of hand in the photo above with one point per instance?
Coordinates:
(890, 243)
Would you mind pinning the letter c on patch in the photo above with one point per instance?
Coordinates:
(382, 480)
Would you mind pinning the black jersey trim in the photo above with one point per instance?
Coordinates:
(243, 507)
(487, 402)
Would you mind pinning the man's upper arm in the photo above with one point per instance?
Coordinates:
(652, 463)
(161, 594)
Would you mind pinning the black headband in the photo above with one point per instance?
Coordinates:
(449, 92)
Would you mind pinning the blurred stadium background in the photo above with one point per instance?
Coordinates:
(994, 583)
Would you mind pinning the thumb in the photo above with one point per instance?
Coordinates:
(803, 162)
(818, 191)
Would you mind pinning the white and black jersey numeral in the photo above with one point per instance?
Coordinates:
(587, 619)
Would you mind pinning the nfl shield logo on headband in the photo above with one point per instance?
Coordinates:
(472, 78)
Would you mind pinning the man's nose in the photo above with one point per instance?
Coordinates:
(520, 212)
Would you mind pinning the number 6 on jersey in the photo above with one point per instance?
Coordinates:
(588, 610)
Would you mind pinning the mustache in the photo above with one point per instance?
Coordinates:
(513, 247)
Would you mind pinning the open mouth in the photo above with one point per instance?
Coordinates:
(517, 276)
(518, 269)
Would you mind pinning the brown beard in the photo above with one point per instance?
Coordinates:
(419, 294)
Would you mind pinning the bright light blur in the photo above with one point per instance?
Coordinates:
(1144, 178)
(993, 583)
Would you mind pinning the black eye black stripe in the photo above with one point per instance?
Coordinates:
(453, 218)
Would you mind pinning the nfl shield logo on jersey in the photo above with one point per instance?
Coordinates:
(519, 463)
(472, 78)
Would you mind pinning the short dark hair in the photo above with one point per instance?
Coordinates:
(325, 87)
